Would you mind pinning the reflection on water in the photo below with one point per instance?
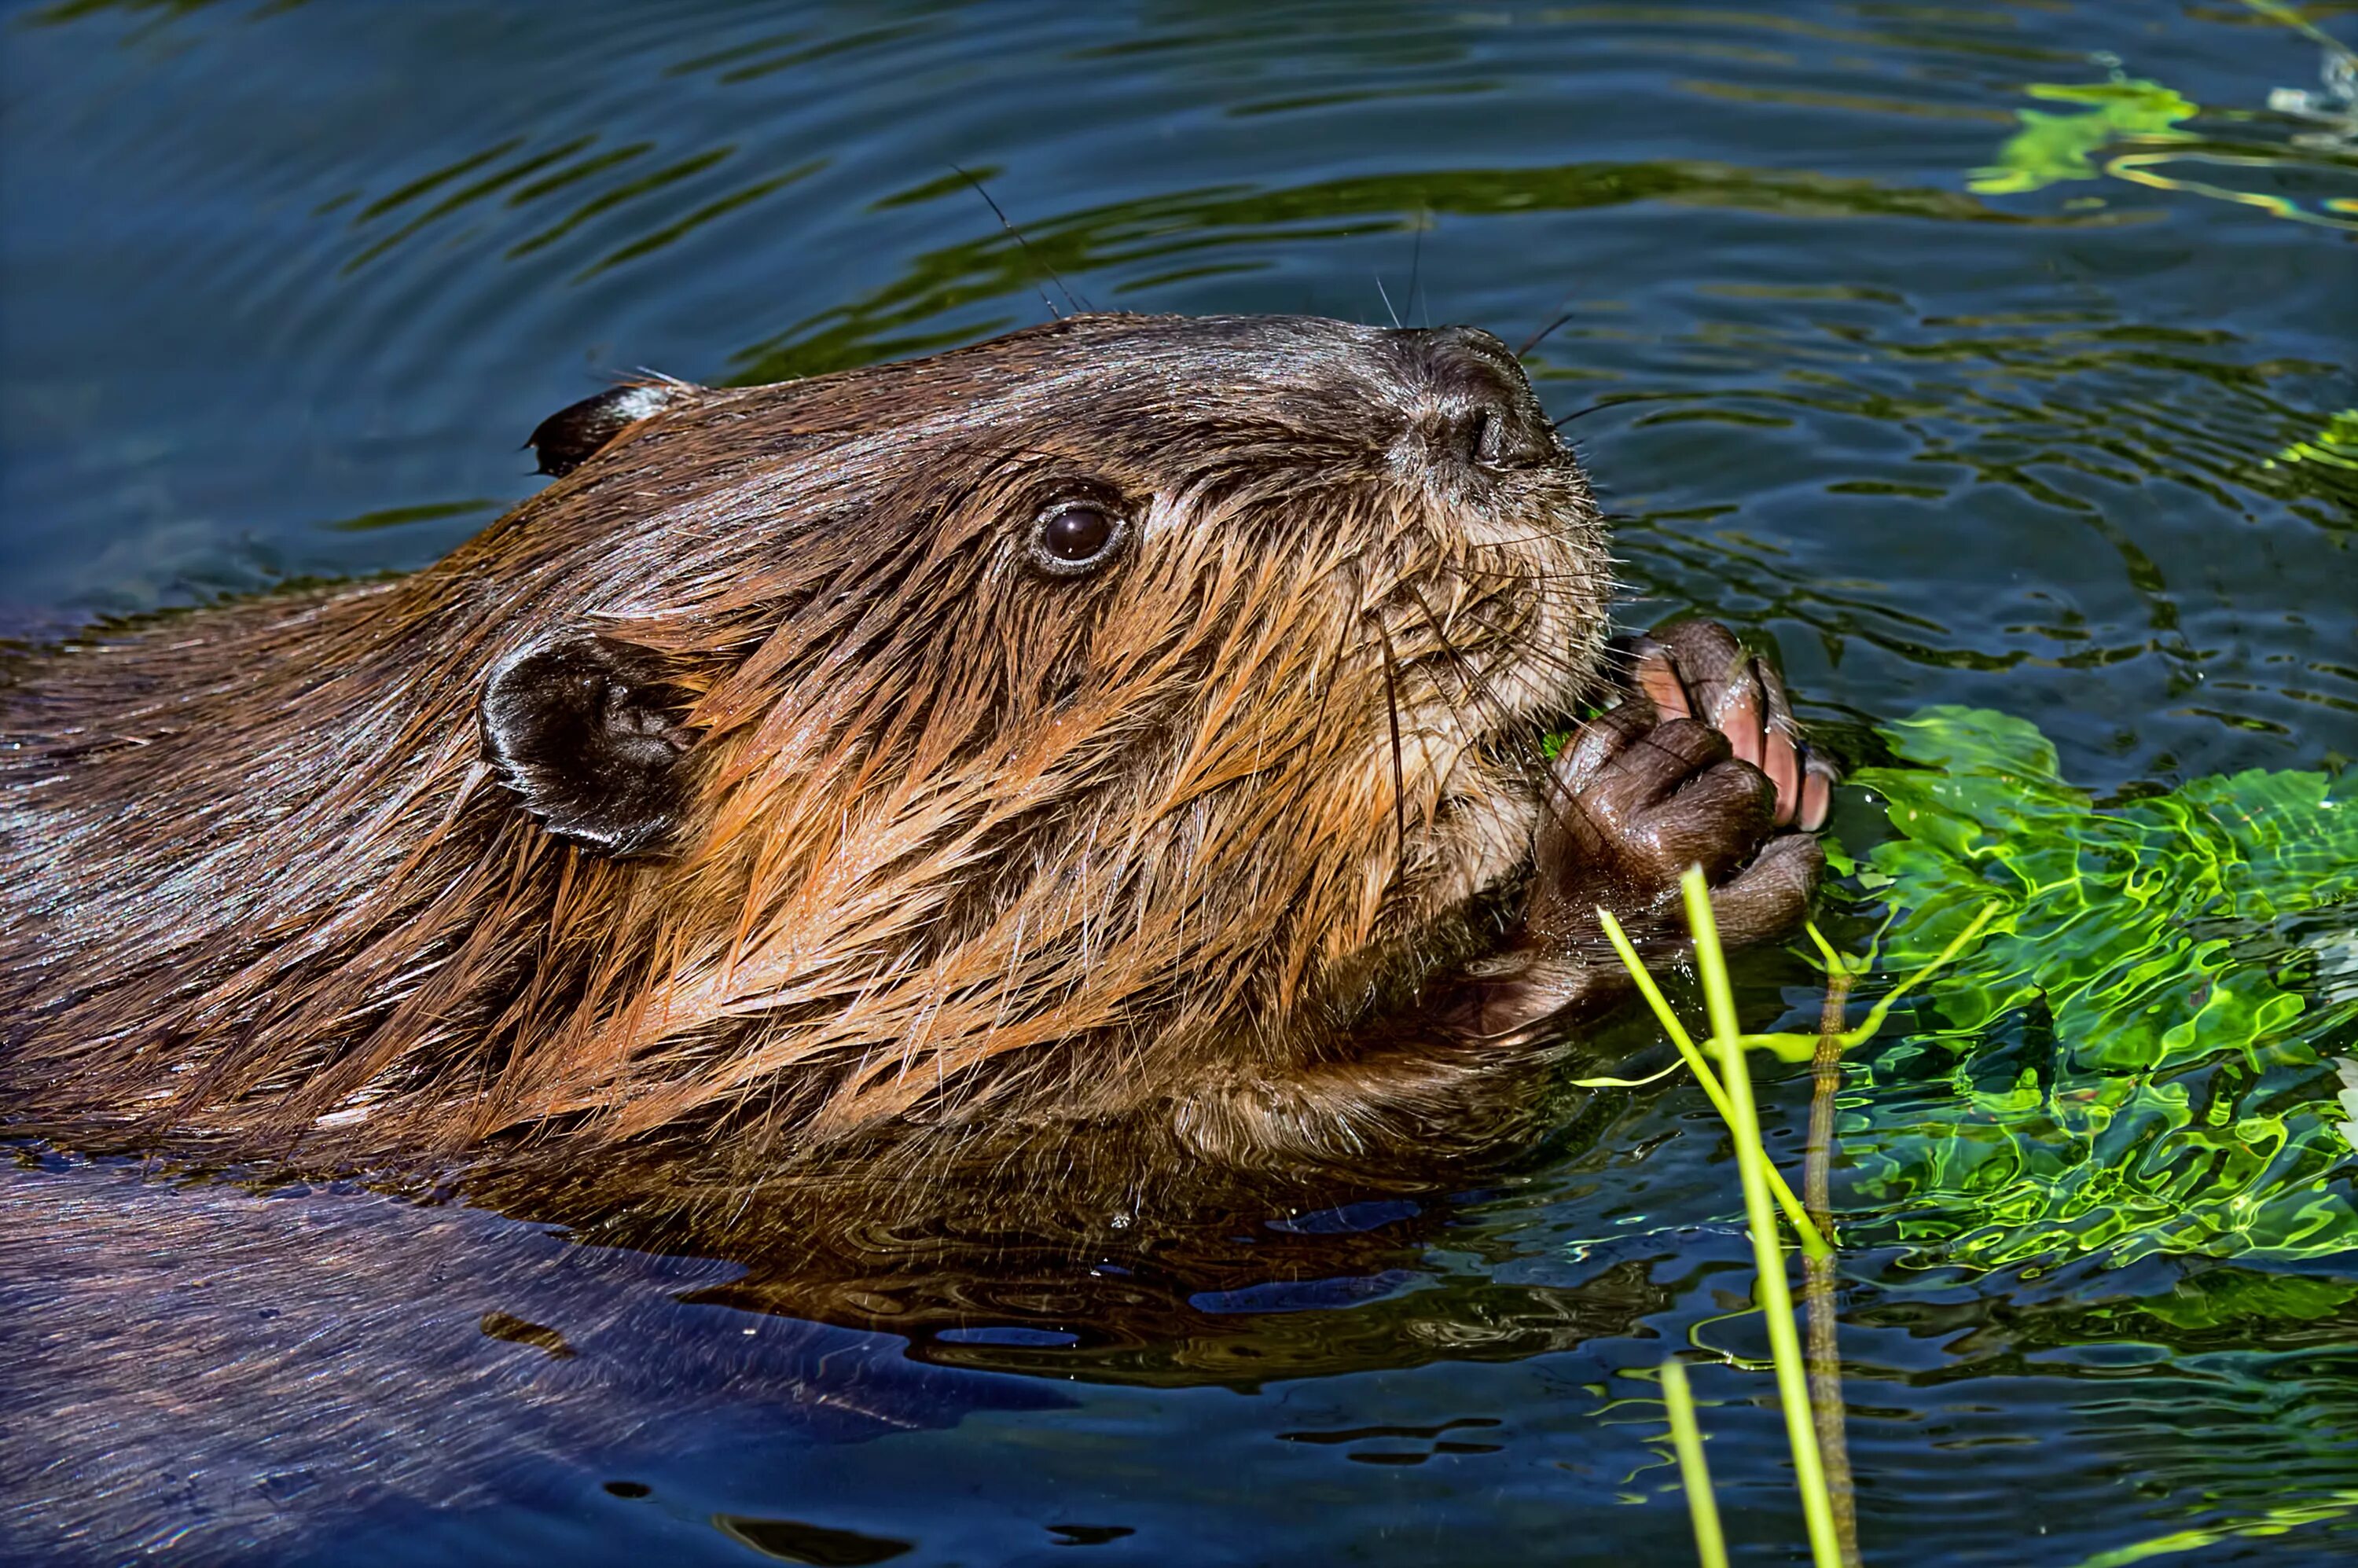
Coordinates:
(203, 1371)
(1987, 353)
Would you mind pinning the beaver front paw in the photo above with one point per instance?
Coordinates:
(1696, 669)
(1704, 765)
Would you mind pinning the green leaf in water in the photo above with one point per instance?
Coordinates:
(2126, 1062)
(2052, 147)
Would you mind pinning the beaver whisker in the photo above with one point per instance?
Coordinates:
(1592, 408)
(1072, 300)
(1522, 576)
(1391, 720)
(1522, 644)
(1536, 339)
(1508, 726)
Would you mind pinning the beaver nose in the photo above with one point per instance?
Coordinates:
(1475, 404)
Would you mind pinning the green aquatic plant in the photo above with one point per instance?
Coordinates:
(2124, 1062)
(1812, 1239)
(2335, 446)
(1767, 1249)
(2050, 148)
(1694, 1474)
(1731, 1092)
(2053, 147)
(1808, 1386)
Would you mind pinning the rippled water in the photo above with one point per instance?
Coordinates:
(282, 284)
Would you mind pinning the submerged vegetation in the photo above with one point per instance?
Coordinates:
(2058, 146)
(2128, 1020)
(2134, 129)
(2335, 445)
(2137, 1055)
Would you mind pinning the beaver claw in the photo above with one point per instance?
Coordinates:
(1701, 764)
(1696, 669)
(1637, 803)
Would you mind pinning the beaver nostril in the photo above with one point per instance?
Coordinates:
(1492, 438)
(1482, 436)
(1480, 409)
(1492, 434)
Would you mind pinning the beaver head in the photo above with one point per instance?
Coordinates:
(1052, 730)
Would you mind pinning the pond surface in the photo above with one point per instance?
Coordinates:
(1956, 405)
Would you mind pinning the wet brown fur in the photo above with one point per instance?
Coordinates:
(1153, 852)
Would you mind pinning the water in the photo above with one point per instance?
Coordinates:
(285, 285)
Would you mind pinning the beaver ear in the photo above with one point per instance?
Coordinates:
(571, 436)
(587, 731)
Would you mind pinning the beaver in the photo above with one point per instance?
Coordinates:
(893, 831)
(1130, 732)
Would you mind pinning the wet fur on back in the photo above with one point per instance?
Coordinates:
(955, 842)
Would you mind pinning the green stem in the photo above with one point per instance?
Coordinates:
(1817, 1273)
(1882, 1009)
(1813, 1241)
(1768, 1252)
(1694, 1475)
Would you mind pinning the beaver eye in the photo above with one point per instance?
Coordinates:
(1074, 538)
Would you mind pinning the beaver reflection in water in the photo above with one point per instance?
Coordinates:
(1113, 749)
